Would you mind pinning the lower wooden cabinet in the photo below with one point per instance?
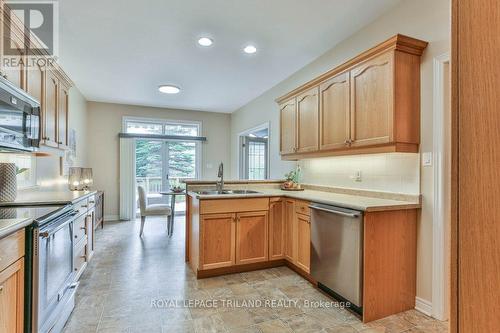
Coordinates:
(251, 237)
(12, 298)
(290, 252)
(303, 227)
(276, 229)
(217, 240)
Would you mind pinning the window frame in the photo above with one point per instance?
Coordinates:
(165, 121)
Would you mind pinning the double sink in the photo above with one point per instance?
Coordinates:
(214, 192)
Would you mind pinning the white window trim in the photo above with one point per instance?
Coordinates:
(163, 121)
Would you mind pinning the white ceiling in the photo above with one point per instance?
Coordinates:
(120, 51)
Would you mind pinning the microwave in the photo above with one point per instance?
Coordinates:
(19, 119)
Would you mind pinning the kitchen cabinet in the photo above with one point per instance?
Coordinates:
(276, 229)
(334, 107)
(12, 282)
(307, 121)
(370, 104)
(372, 97)
(251, 237)
(84, 234)
(289, 230)
(288, 128)
(62, 115)
(50, 110)
(12, 298)
(217, 240)
(34, 83)
(303, 226)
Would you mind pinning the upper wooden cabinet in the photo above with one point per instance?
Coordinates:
(307, 121)
(62, 115)
(370, 104)
(50, 109)
(372, 101)
(288, 121)
(334, 112)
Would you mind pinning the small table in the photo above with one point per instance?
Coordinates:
(172, 195)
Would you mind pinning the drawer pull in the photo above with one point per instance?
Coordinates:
(82, 228)
(85, 206)
(92, 202)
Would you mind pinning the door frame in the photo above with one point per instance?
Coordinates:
(441, 218)
(240, 161)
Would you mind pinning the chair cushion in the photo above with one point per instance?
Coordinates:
(157, 210)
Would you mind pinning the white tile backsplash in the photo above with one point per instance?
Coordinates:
(394, 172)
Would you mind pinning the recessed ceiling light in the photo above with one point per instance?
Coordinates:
(169, 89)
(205, 41)
(250, 49)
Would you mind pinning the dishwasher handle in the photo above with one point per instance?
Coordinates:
(335, 210)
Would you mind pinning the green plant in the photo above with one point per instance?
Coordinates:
(20, 170)
(294, 175)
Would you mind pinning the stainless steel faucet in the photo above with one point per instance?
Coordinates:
(220, 174)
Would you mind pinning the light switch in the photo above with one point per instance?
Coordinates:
(427, 159)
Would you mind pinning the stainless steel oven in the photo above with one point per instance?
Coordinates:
(19, 119)
(53, 285)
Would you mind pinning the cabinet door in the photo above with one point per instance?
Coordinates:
(251, 237)
(218, 240)
(290, 251)
(307, 121)
(51, 109)
(62, 116)
(303, 242)
(13, 64)
(372, 101)
(90, 233)
(12, 298)
(334, 121)
(288, 124)
(276, 230)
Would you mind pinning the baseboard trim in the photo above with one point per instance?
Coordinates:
(423, 306)
(109, 218)
(202, 274)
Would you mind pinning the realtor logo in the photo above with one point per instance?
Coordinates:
(39, 20)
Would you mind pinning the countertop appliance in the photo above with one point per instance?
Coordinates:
(51, 294)
(19, 119)
(337, 252)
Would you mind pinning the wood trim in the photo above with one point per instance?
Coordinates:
(216, 206)
(453, 320)
(398, 42)
(375, 149)
(201, 274)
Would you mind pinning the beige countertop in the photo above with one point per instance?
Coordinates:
(358, 202)
(9, 226)
(42, 196)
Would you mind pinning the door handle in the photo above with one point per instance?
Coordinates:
(334, 211)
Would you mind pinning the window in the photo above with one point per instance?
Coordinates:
(254, 155)
(161, 163)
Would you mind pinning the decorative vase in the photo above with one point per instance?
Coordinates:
(8, 182)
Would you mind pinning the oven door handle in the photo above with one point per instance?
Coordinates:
(50, 232)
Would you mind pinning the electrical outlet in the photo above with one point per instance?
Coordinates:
(357, 176)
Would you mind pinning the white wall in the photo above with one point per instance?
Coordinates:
(424, 19)
(105, 122)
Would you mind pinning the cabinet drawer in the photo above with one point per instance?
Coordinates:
(80, 261)
(81, 206)
(302, 207)
(79, 229)
(11, 249)
(212, 206)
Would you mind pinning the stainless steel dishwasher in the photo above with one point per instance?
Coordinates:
(337, 252)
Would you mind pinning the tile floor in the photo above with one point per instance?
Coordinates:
(143, 285)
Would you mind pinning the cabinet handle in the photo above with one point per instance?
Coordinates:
(59, 142)
(1, 289)
(82, 228)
